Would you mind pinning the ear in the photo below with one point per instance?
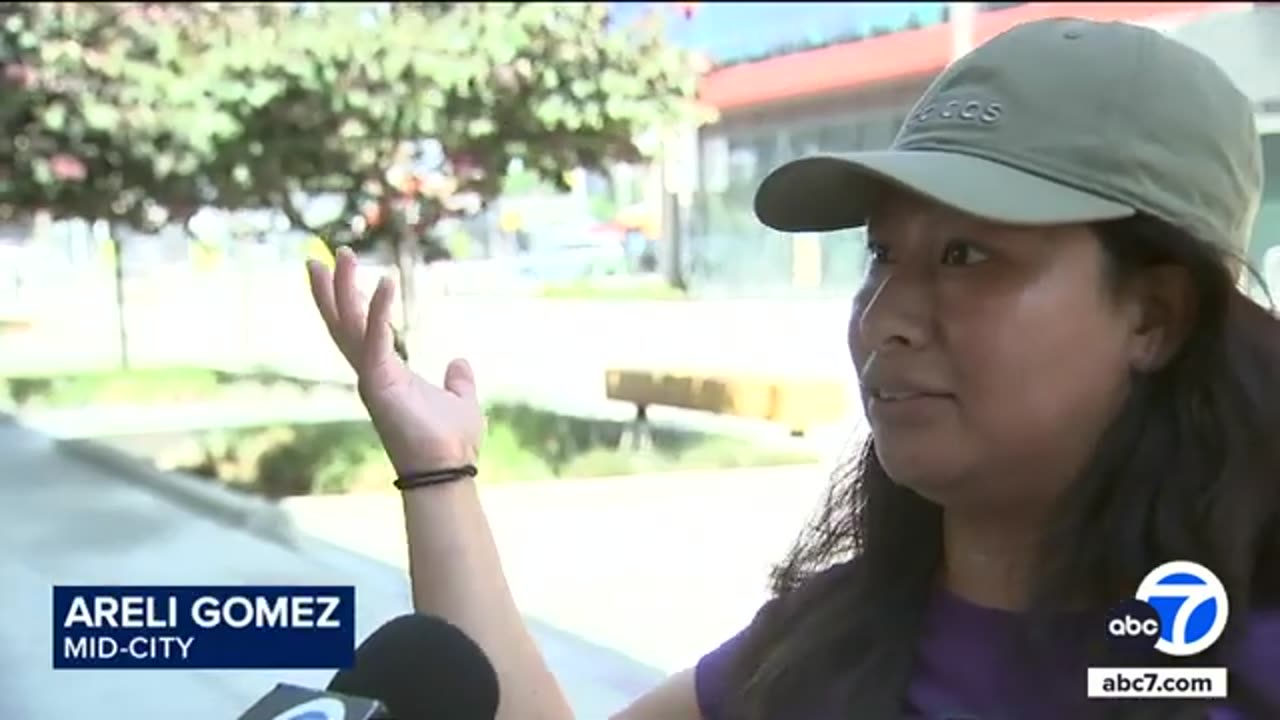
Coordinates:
(1165, 314)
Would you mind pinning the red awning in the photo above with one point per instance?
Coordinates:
(907, 54)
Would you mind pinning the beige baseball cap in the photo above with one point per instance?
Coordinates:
(1052, 122)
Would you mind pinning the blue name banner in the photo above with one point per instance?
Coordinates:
(203, 628)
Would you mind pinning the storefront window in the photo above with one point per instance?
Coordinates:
(805, 142)
(743, 163)
(844, 137)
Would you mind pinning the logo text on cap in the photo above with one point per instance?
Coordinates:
(978, 111)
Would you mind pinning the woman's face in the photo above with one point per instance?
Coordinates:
(990, 357)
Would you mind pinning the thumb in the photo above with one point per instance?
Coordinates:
(459, 380)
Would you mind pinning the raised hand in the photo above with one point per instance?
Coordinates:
(422, 426)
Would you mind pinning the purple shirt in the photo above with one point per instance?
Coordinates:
(961, 670)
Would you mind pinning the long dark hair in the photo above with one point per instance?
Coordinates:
(1189, 470)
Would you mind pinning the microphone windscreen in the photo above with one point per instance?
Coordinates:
(422, 668)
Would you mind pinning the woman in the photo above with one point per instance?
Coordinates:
(1065, 388)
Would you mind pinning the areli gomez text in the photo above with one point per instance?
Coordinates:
(149, 613)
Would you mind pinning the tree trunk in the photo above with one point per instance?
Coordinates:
(122, 319)
(405, 250)
(672, 260)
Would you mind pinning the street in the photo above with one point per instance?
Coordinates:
(549, 353)
(541, 350)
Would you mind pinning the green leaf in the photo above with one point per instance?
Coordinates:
(101, 117)
(55, 117)
(582, 89)
(481, 127)
(41, 172)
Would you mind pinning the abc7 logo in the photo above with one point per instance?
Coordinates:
(317, 709)
(1180, 609)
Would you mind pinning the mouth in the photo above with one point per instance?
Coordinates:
(901, 394)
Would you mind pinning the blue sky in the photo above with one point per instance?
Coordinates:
(726, 30)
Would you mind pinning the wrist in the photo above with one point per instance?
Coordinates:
(413, 458)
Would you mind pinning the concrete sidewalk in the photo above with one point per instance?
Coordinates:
(660, 568)
(63, 522)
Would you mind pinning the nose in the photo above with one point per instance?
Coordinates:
(892, 310)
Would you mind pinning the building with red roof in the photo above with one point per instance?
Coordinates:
(851, 96)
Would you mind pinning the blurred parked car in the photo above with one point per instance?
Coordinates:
(568, 252)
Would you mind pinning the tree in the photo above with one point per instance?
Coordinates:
(102, 126)
(407, 113)
(105, 106)
(412, 112)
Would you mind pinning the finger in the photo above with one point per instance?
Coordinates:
(379, 338)
(460, 380)
(322, 294)
(351, 307)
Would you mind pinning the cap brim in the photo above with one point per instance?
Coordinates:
(834, 192)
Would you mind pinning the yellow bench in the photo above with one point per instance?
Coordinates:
(799, 404)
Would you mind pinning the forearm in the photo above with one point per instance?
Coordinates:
(457, 575)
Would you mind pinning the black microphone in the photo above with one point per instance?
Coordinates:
(422, 668)
(414, 667)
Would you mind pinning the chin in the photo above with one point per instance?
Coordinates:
(933, 476)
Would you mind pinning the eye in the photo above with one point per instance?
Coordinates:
(962, 252)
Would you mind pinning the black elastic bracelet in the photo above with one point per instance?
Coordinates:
(434, 477)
